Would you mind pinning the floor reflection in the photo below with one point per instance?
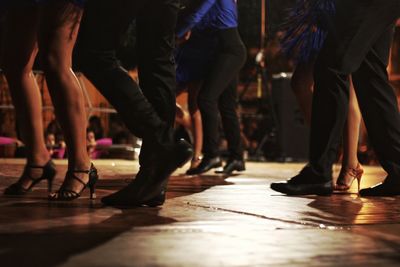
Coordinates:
(222, 221)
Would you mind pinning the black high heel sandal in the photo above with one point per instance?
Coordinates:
(49, 172)
(68, 194)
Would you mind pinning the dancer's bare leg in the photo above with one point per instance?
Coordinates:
(20, 51)
(59, 28)
(350, 138)
(302, 86)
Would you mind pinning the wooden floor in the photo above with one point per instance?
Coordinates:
(206, 221)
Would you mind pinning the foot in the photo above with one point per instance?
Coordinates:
(347, 176)
(148, 188)
(387, 188)
(231, 166)
(195, 162)
(305, 183)
(75, 182)
(124, 197)
(32, 175)
(205, 165)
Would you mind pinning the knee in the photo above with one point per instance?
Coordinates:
(227, 106)
(15, 72)
(193, 107)
(340, 65)
(301, 85)
(15, 68)
(54, 63)
(95, 62)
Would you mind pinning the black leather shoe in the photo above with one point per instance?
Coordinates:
(205, 165)
(305, 183)
(231, 166)
(387, 188)
(157, 201)
(151, 180)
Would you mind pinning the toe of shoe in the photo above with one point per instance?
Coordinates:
(279, 187)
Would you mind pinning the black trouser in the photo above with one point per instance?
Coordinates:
(149, 115)
(359, 45)
(218, 95)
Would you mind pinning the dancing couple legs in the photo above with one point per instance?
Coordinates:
(51, 28)
(148, 111)
(359, 46)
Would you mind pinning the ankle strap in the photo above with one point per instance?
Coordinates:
(70, 174)
(82, 171)
(78, 171)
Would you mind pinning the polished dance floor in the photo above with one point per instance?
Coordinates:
(206, 221)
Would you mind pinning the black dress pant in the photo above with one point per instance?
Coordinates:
(358, 45)
(218, 95)
(148, 111)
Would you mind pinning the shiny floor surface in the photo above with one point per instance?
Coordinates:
(206, 221)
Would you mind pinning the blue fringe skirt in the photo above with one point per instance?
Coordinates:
(306, 28)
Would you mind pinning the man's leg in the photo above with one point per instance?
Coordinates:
(227, 106)
(155, 45)
(379, 107)
(229, 59)
(358, 26)
(156, 22)
(103, 24)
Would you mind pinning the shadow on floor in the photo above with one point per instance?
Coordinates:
(36, 244)
(55, 245)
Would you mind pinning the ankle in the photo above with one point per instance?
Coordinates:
(81, 165)
(38, 160)
(197, 158)
(350, 165)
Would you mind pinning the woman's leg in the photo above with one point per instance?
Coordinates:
(351, 132)
(302, 86)
(350, 139)
(197, 127)
(20, 51)
(58, 31)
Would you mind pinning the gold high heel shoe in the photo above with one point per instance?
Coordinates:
(349, 175)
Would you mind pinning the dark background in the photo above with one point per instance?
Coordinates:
(250, 17)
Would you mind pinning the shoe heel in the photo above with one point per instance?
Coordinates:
(93, 178)
(92, 192)
(50, 184)
(358, 177)
(50, 176)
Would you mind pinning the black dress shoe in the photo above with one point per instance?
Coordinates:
(148, 188)
(205, 165)
(231, 166)
(305, 183)
(157, 201)
(387, 188)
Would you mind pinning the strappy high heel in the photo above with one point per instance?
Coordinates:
(49, 172)
(68, 194)
(349, 173)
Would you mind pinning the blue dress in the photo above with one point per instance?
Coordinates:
(306, 28)
(195, 56)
